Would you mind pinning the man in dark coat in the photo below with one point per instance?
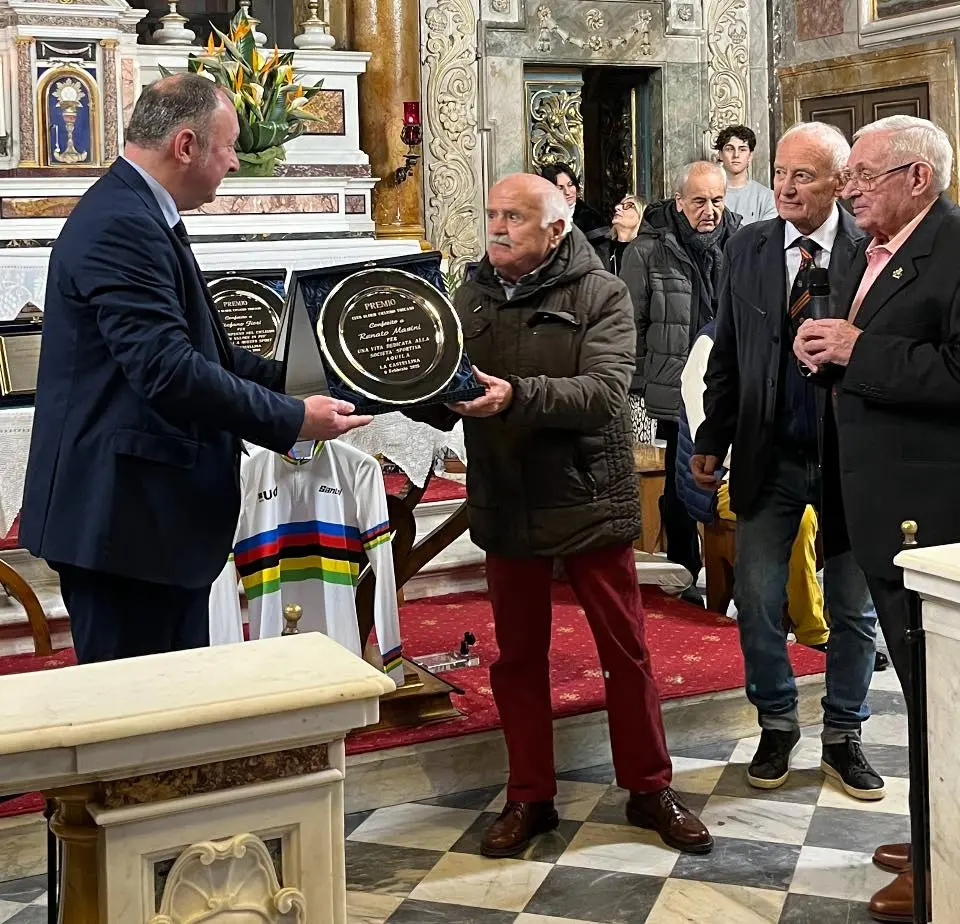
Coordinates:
(893, 356)
(672, 271)
(132, 490)
(784, 458)
(550, 474)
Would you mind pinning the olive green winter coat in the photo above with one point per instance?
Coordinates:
(554, 473)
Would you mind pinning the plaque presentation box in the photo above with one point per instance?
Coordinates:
(382, 335)
(250, 304)
(20, 357)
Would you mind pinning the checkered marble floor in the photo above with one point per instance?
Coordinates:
(797, 855)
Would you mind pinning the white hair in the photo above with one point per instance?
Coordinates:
(916, 139)
(830, 138)
(698, 166)
(553, 208)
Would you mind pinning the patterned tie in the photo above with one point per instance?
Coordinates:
(800, 293)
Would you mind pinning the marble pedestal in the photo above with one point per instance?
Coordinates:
(935, 574)
(207, 780)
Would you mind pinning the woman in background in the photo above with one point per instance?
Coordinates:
(627, 215)
(582, 215)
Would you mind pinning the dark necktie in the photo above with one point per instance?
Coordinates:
(800, 293)
(179, 229)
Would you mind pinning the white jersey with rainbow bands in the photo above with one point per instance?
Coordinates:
(308, 524)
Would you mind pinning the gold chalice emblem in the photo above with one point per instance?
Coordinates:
(69, 94)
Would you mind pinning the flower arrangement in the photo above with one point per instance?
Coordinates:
(269, 98)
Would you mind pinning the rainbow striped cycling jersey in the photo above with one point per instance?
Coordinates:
(309, 523)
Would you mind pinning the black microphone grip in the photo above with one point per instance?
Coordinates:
(818, 305)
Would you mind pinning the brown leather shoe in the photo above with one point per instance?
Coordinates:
(518, 823)
(664, 813)
(894, 903)
(892, 858)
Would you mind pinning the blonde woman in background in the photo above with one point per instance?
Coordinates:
(627, 215)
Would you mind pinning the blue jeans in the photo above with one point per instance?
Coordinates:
(764, 541)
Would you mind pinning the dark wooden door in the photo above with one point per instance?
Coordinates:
(851, 111)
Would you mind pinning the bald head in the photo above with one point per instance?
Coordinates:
(526, 220)
(182, 132)
(170, 104)
(701, 187)
(541, 193)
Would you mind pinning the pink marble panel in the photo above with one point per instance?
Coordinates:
(128, 87)
(266, 205)
(355, 205)
(818, 18)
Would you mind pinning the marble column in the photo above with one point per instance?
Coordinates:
(390, 30)
(25, 89)
(111, 103)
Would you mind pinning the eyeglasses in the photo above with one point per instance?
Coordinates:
(866, 182)
(625, 205)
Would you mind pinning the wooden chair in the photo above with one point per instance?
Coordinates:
(16, 587)
(719, 554)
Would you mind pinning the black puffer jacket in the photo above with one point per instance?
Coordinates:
(666, 291)
(553, 474)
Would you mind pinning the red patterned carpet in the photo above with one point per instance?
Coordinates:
(439, 489)
(693, 652)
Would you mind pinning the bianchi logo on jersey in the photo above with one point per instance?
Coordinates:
(268, 494)
(326, 489)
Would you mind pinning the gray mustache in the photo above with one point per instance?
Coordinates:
(499, 239)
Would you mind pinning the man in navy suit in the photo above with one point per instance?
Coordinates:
(132, 491)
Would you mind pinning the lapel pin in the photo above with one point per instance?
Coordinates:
(898, 272)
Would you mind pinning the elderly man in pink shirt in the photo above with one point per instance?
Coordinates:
(892, 359)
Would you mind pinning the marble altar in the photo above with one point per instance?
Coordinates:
(934, 574)
(316, 211)
(200, 780)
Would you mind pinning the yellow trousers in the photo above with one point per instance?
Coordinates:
(804, 596)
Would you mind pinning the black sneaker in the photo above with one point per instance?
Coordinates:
(770, 766)
(845, 763)
(880, 661)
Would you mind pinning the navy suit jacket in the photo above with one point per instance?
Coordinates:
(141, 402)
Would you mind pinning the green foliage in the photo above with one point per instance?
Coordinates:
(268, 97)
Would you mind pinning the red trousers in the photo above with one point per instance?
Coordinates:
(605, 583)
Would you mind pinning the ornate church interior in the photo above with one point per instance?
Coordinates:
(339, 759)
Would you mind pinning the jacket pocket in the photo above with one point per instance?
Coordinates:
(167, 450)
(474, 326)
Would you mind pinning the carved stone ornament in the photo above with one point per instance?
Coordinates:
(593, 42)
(500, 6)
(727, 42)
(228, 882)
(556, 127)
(453, 209)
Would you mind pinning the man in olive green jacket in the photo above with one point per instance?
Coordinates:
(550, 474)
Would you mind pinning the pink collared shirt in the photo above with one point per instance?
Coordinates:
(878, 256)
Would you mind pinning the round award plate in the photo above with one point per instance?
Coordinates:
(390, 336)
(250, 312)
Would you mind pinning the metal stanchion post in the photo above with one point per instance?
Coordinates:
(919, 780)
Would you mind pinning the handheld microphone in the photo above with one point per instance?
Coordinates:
(817, 307)
(818, 285)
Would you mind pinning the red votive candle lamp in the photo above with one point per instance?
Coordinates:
(411, 113)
